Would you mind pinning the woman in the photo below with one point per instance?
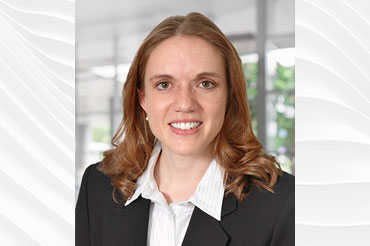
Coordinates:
(189, 170)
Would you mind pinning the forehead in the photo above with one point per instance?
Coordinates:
(184, 56)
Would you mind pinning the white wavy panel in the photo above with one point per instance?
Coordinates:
(313, 235)
(56, 51)
(321, 119)
(333, 204)
(332, 122)
(331, 52)
(332, 161)
(9, 231)
(37, 122)
(31, 215)
(336, 32)
(52, 41)
(40, 69)
(45, 109)
(61, 9)
(329, 85)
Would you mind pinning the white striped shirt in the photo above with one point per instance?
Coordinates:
(168, 223)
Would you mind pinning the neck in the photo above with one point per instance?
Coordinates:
(178, 176)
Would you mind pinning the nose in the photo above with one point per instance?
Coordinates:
(185, 99)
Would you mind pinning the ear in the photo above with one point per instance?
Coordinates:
(142, 99)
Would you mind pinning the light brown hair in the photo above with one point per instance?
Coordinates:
(236, 147)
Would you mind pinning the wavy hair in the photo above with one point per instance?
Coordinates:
(236, 149)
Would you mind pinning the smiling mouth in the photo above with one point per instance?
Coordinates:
(185, 126)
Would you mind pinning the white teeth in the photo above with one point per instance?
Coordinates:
(185, 126)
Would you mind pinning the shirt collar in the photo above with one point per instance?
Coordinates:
(208, 195)
(147, 178)
(210, 191)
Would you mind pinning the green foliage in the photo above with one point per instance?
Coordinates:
(283, 100)
(250, 72)
(283, 80)
(101, 134)
(282, 145)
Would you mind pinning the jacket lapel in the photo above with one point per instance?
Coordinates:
(203, 229)
(128, 225)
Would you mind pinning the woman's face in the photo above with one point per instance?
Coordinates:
(185, 94)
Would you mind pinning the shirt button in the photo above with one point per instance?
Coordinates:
(149, 189)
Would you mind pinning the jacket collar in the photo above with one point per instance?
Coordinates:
(208, 196)
(131, 225)
(132, 220)
(126, 225)
(205, 230)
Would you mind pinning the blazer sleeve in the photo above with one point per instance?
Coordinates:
(82, 224)
(284, 231)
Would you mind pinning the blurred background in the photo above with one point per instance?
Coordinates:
(109, 32)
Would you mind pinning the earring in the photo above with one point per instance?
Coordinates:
(146, 118)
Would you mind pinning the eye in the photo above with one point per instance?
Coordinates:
(207, 84)
(163, 85)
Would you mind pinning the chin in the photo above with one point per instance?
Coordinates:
(185, 150)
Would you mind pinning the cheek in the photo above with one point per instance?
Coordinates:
(216, 109)
(221, 105)
(157, 106)
(221, 102)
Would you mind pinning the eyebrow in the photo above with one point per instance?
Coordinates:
(161, 76)
(199, 75)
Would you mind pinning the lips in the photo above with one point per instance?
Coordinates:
(185, 126)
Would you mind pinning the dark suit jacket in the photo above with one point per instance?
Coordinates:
(263, 218)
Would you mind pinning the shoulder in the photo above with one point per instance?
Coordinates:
(266, 217)
(93, 175)
(261, 204)
(96, 191)
(285, 185)
(283, 189)
(94, 182)
(94, 199)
